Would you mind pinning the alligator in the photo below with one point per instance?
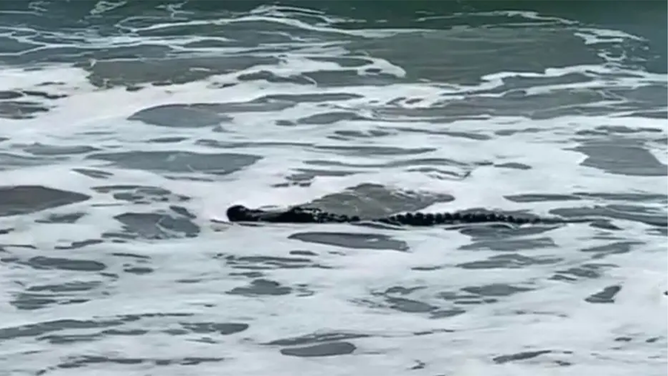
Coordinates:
(300, 214)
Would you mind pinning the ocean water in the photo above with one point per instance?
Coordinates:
(127, 128)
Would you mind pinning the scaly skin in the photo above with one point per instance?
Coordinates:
(297, 214)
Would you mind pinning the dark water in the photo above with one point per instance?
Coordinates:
(127, 128)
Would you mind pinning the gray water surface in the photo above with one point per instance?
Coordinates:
(129, 127)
